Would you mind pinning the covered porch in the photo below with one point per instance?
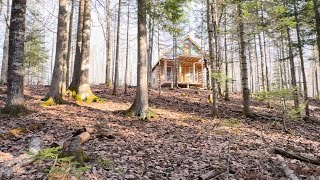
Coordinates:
(190, 70)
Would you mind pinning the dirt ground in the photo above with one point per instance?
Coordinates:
(182, 143)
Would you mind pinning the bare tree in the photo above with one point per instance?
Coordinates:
(244, 66)
(126, 76)
(5, 52)
(77, 61)
(116, 76)
(140, 106)
(83, 90)
(212, 59)
(69, 42)
(15, 97)
(108, 39)
(58, 87)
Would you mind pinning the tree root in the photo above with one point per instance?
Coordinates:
(144, 116)
(52, 101)
(15, 110)
(83, 97)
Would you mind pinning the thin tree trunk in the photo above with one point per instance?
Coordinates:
(262, 64)
(77, 60)
(150, 50)
(69, 43)
(126, 76)
(57, 87)
(116, 76)
(140, 106)
(293, 71)
(257, 65)
(251, 69)
(212, 60)
(15, 98)
(305, 88)
(108, 82)
(317, 25)
(5, 52)
(244, 68)
(226, 97)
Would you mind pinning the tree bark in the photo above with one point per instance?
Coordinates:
(244, 68)
(83, 89)
(140, 106)
(304, 78)
(212, 60)
(126, 76)
(16, 72)
(57, 87)
(5, 52)
(77, 61)
(108, 82)
(293, 71)
(226, 96)
(116, 76)
(150, 50)
(317, 25)
(69, 43)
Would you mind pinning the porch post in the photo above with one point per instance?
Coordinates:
(194, 72)
(202, 73)
(180, 73)
(165, 70)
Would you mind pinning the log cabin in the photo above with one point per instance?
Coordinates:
(191, 66)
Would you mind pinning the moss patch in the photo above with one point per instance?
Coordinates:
(145, 116)
(52, 102)
(16, 110)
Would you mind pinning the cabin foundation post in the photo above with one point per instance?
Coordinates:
(165, 70)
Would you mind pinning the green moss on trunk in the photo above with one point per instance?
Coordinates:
(15, 110)
(144, 116)
(52, 101)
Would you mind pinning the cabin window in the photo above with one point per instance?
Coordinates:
(169, 73)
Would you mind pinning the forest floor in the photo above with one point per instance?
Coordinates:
(182, 143)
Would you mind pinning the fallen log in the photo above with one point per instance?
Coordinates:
(209, 175)
(292, 155)
(72, 147)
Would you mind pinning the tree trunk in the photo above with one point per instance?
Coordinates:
(244, 68)
(15, 98)
(305, 88)
(5, 52)
(212, 60)
(262, 64)
(69, 43)
(126, 76)
(83, 89)
(57, 87)
(226, 96)
(140, 106)
(293, 71)
(77, 60)
(257, 65)
(150, 51)
(116, 76)
(317, 18)
(108, 82)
